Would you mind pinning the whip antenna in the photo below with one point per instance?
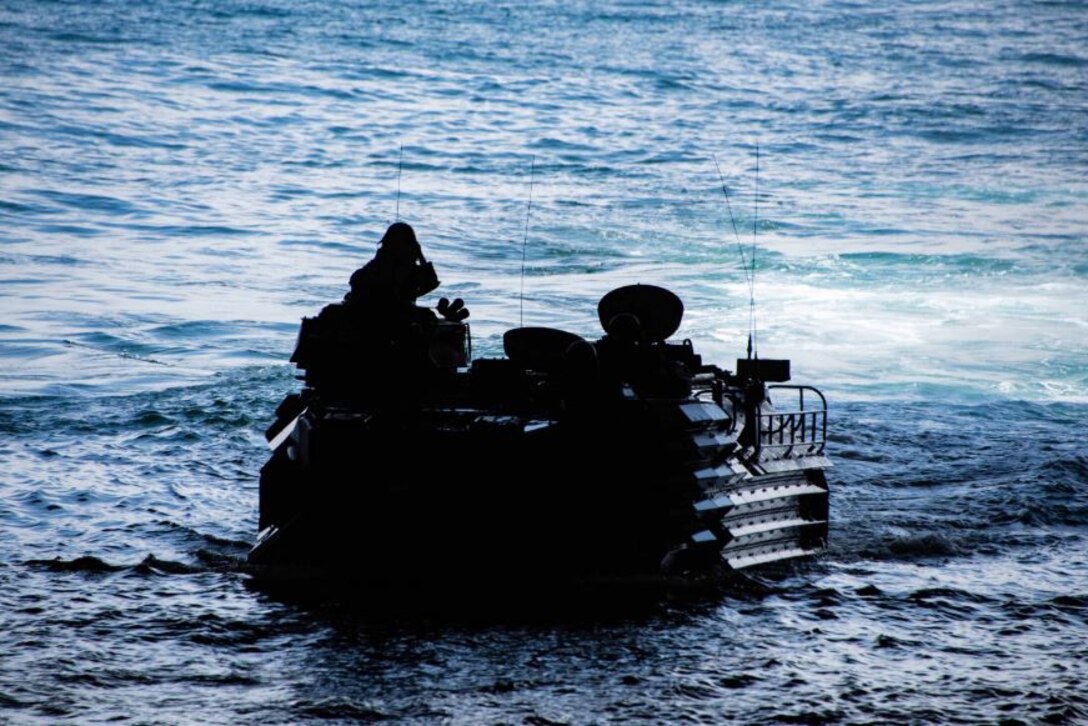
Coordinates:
(400, 166)
(525, 242)
(753, 340)
(733, 221)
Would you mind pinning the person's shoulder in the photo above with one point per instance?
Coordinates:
(360, 275)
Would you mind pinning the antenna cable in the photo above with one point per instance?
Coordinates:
(525, 242)
(400, 166)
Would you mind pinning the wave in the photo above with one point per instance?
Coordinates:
(149, 566)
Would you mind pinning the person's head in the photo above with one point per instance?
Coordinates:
(399, 243)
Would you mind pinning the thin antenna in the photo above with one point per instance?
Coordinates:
(400, 166)
(733, 220)
(753, 339)
(525, 242)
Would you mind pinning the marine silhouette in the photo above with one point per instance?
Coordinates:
(379, 347)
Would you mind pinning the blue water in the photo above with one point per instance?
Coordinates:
(180, 182)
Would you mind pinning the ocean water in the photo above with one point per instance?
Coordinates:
(181, 182)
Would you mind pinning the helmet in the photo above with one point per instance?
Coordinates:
(400, 242)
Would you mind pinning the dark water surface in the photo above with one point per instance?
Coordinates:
(180, 182)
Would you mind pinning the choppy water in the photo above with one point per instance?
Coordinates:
(181, 181)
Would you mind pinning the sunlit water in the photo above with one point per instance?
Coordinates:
(181, 182)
